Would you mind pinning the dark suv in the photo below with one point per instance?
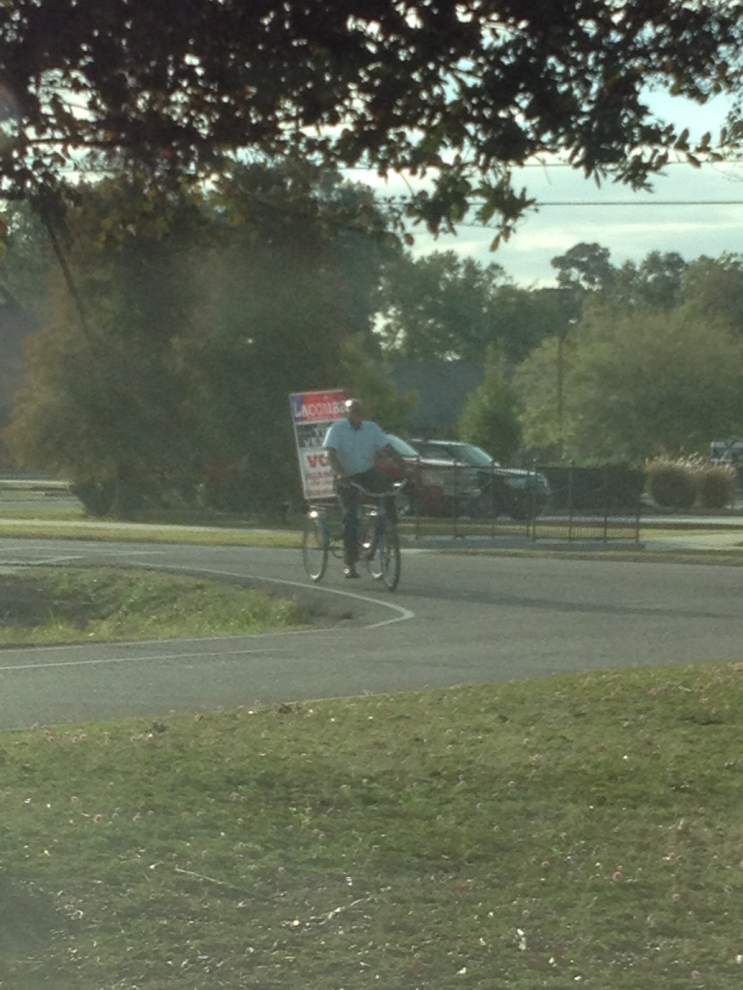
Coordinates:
(513, 491)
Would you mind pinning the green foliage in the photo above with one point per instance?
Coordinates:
(672, 483)
(26, 261)
(538, 383)
(714, 287)
(365, 376)
(490, 418)
(635, 386)
(585, 268)
(103, 404)
(655, 283)
(199, 316)
(181, 88)
(289, 290)
(585, 275)
(442, 306)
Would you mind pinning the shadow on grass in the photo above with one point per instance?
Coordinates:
(28, 924)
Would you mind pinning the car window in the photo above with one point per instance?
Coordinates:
(431, 450)
(465, 453)
(403, 449)
(475, 455)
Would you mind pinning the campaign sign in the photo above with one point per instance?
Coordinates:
(312, 414)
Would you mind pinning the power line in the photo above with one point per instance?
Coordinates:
(710, 164)
(644, 202)
(579, 203)
(402, 200)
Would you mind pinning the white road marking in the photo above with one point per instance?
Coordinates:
(403, 613)
(113, 660)
(109, 550)
(198, 640)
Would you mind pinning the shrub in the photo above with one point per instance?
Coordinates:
(672, 484)
(717, 485)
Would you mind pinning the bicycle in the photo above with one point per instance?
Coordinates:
(379, 542)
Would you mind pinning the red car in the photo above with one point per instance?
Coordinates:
(435, 487)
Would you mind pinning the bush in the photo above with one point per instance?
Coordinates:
(96, 496)
(672, 484)
(717, 485)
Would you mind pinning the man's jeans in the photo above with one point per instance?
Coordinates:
(350, 498)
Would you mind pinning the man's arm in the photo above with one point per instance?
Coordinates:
(389, 451)
(335, 462)
(330, 450)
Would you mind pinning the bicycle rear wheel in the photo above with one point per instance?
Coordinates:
(385, 564)
(315, 545)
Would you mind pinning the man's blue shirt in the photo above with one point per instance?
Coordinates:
(356, 449)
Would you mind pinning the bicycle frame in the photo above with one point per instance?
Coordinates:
(379, 541)
(379, 545)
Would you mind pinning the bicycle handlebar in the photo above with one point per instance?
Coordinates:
(397, 487)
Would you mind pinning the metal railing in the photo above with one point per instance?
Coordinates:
(583, 504)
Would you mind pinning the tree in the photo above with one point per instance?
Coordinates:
(528, 315)
(585, 273)
(656, 283)
(713, 288)
(103, 400)
(192, 320)
(584, 268)
(26, 259)
(288, 294)
(460, 90)
(639, 385)
(442, 306)
(490, 417)
(540, 384)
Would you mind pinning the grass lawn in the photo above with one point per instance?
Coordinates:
(42, 606)
(573, 831)
(31, 513)
(148, 533)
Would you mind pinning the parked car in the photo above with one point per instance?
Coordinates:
(435, 487)
(500, 490)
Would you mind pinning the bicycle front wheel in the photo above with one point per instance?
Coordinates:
(385, 564)
(315, 545)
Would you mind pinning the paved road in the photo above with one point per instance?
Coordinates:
(455, 619)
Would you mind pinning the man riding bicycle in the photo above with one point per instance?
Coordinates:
(353, 444)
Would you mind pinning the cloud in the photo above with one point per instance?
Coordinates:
(630, 232)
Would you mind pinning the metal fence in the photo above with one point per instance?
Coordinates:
(583, 504)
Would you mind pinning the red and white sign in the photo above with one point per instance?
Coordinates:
(312, 414)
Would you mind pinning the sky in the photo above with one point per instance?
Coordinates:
(629, 232)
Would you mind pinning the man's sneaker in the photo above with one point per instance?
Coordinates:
(350, 572)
